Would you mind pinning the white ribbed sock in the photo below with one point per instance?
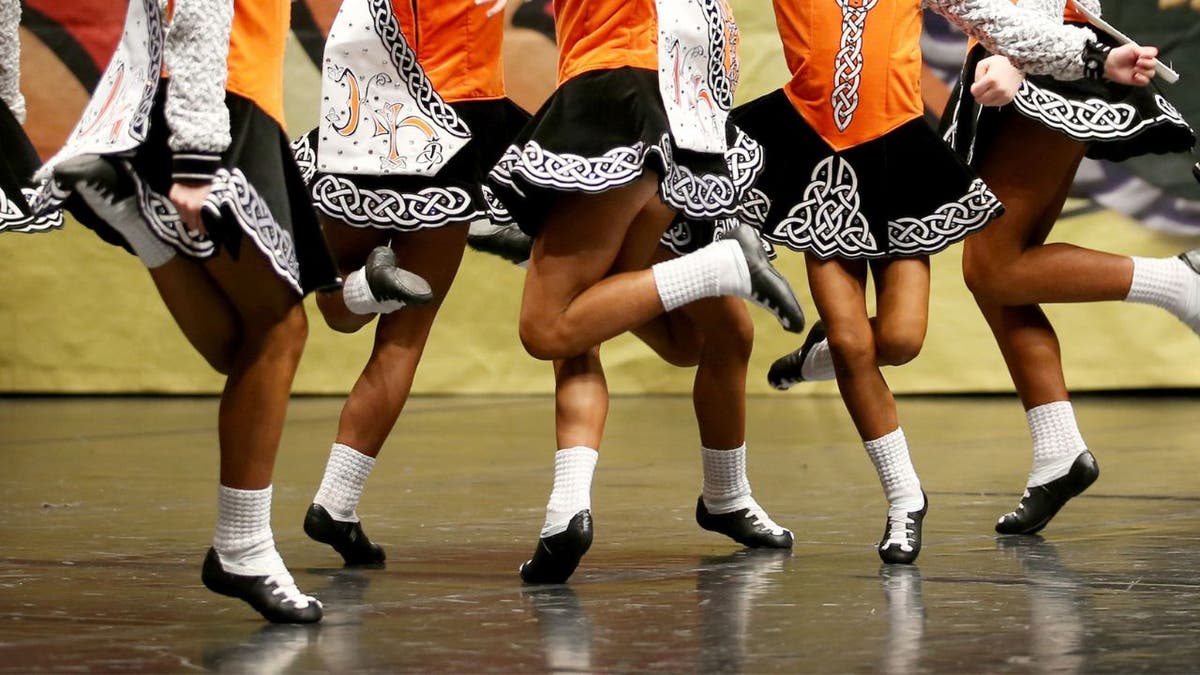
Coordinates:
(889, 454)
(1056, 441)
(243, 539)
(346, 473)
(126, 218)
(359, 299)
(717, 269)
(818, 363)
(1170, 284)
(572, 493)
(726, 488)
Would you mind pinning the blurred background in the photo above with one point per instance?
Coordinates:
(79, 316)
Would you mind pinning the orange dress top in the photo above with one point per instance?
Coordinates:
(457, 45)
(605, 34)
(256, 45)
(857, 93)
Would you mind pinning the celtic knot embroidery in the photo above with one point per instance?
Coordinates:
(498, 213)
(1092, 118)
(405, 211)
(828, 218)
(232, 191)
(848, 64)
(949, 223)
(404, 60)
(306, 158)
(697, 195)
(13, 219)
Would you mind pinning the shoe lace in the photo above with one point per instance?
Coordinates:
(763, 522)
(285, 586)
(898, 532)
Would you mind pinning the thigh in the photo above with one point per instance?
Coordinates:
(580, 243)
(1029, 168)
(260, 297)
(901, 294)
(839, 291)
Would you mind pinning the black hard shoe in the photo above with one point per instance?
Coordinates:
(348, 539)
(1191, 259)
(901, 543)
(1196, 171)
(749, 527)
(389, 282)
(95, 177)
(275, 596)
(787, 369)
(506, 241)
(1041, 502)
(558, 555)
(768, 288)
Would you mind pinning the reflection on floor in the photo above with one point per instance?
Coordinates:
(109, 508)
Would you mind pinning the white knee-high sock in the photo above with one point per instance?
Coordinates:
(1056, 441)
(889, 454)
(356, 292)
(346, 473)
(572, 493)
(726, 487)
(243, 538)
(126, 218)
(717, 269)
(1170, 284)
(818, 363)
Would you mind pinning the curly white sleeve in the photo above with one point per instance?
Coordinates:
(1034, 42)
(10, 58)
(1092, 6)
(197, 53)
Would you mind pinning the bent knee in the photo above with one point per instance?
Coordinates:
(984, 278)
(541, 341)
(855, 348)
(898, 348)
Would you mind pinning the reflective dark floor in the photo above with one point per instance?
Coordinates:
(109, 505)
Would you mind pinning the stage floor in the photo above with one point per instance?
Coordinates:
(110, 504)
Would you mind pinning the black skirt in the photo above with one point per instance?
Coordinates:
(745, 160)
(602, 130)
(1116, 121)
(456, 195)
(18, 162)
(903, 194)
(258, 191)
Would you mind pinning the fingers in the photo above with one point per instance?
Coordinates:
(981, 69)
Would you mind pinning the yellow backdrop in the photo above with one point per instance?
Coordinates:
(81, 316)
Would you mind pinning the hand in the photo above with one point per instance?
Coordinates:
(1131, 64)
(188, 198)
(497, 6)
(996, 81)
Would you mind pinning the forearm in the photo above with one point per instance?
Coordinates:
(197, 51)
(10, 58)
(1031, 38)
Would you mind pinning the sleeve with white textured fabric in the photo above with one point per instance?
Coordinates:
(1034, 42)
(197, 52)
(10, 58)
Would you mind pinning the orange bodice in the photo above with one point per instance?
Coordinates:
(457, 44)
(855, 64)
(256, 46)
(605, 34)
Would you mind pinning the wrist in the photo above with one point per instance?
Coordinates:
(1095, 59)
(194, 167)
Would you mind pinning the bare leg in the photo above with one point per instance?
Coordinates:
(379, 395)
(839, 290)
(254, 402)
(200, 308)
(1015, 245)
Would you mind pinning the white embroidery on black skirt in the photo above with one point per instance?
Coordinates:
(428, 207)
(1091, 118)
(949, 223)
(828, 219)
